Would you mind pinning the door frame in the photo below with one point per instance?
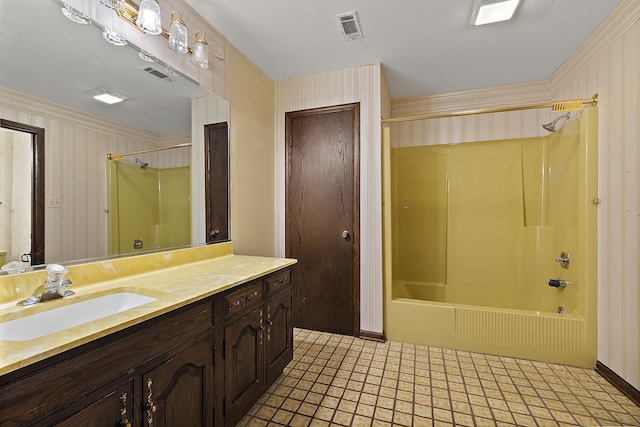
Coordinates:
(355, 107)
(37, 187)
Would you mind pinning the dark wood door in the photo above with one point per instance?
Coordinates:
(244, 364)
(279, 343)
(216, 137)
(322, 217)
(179, 392)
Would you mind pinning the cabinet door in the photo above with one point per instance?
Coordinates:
(244, 364)
(179, 392)
(279, 343)
(113, 409)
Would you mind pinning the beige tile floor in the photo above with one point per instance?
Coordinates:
(337, 380)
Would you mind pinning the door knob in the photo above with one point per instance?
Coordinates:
(214, 233)
(346, 235)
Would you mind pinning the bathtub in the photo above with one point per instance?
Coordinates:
(449, 282)
(543, 335)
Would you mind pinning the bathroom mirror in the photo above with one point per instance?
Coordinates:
(59, 61)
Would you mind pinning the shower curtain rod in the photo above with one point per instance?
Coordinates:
(119, 156)
(558, 106)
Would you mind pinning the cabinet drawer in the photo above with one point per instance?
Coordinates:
(278, 282)
(246, 296)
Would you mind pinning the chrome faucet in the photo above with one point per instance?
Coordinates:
(53, 288)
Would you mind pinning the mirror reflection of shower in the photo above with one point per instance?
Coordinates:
(141, 163)
(551, 127)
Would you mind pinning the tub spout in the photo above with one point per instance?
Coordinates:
(558, 283)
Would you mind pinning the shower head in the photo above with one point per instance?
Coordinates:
(551, 127)
(141, 163)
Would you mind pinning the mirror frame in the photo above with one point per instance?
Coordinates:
(37, 187)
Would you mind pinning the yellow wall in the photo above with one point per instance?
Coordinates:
(251, 96)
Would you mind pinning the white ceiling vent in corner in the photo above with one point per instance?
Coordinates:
(156, 73)
(350, 25)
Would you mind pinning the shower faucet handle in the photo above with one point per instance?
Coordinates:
(563, 260)
(558, 283)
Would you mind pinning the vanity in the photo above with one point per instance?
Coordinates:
(211, 331)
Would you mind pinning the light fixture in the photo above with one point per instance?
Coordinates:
(200, 55)
(76, 17)
(117, 5)
(490, 11)
(107, 96)
(145, 56)
(148, 19)
(178, 34)
(113, 37)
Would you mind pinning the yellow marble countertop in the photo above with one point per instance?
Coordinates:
(173, 286)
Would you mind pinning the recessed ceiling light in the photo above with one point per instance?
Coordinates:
(490, 11)
(107, 96)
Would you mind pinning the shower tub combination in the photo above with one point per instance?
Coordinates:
(474, 234)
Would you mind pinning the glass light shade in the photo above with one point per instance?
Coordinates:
(74, 16)
(149, 17)
(114, 4)
(200, 55)
(178, 34)
(113, 37)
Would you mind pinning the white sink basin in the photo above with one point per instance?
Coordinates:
(47, 322)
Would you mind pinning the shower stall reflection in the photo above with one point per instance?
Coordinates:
(149, 206)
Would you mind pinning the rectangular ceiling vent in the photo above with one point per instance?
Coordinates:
(350, 25)
(155, 72)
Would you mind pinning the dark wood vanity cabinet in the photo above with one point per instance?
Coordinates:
(244, 364)
(166, 371)
(258, 340)
(179, 392)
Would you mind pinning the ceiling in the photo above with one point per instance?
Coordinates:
(424, 46)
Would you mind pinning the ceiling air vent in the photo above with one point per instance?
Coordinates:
(155, 72)
(350, 25)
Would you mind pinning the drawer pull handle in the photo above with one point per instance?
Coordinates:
(244, 300)
(281, 282)
(124, 421)
(150, 406)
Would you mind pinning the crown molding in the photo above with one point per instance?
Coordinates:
(31, 105)
(174, 138)
(616, 24)
(490, 97)
(621, 19)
